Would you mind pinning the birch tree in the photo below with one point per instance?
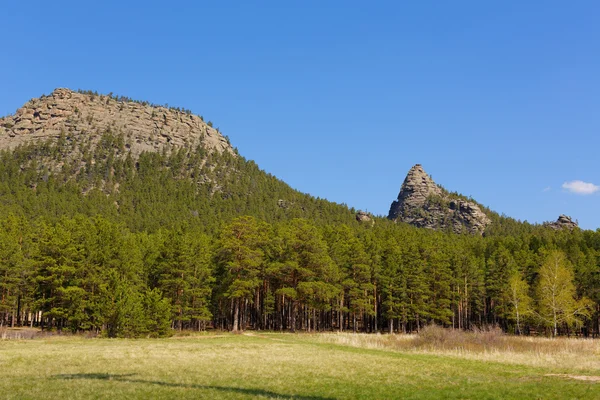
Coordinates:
(557, 304)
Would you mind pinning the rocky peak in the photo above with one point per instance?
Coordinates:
(423, 203)
(563, 222)
(416, 188)
(73, 114)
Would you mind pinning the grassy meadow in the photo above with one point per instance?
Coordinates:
(434, 365)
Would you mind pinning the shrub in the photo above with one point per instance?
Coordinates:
(477, 339)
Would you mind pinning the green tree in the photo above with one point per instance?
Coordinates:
(184, 274)
(557, 304)
(306, 273)
(393, 284)
(500, 266)
(438, 273)
(15, 268)
(157, 314)
(520, 304)
(60, 268)
(349, 254)
(240, 257)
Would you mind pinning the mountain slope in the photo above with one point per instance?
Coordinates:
(148, 166)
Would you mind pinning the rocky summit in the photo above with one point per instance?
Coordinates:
(423, 203)
(563, 222)
(77, 115)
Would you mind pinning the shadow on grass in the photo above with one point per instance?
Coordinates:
(129, 378)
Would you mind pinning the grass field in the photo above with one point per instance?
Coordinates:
(299, 366)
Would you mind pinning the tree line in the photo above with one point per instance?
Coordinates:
(87, 273)
(93, 239)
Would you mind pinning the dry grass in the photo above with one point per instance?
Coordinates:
(19, 333)
(278, 366)
(483, 345)
(25, 333)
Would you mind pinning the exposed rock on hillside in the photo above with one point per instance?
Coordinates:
(563, 222)
(422, 203)
(73, 114)
(363, 216)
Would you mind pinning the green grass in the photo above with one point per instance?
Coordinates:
(272, 366)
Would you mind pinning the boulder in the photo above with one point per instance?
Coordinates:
(362, 216)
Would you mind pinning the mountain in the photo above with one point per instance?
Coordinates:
(423, 203)
(148, 166)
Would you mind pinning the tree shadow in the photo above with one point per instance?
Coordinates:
(129, 378)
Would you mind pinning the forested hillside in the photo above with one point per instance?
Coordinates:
(100, 234)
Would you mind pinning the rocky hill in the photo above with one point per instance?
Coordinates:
(423, 203)
(79, 115)
(146, 166)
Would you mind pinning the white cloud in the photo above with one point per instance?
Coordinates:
(547, 189)
(580, 187)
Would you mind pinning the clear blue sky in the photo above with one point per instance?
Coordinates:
(499, 100)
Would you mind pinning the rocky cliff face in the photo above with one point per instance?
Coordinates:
(77, 115)
(563, 222)
(422, 203)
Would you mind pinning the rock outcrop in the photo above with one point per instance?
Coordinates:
(423, 203)
(73, 114)
(563, 222)
(363, 216)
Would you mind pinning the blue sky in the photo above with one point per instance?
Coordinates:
(497, 100)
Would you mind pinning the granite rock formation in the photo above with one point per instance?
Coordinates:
(563, 222)
(76, 115)
(423, 203)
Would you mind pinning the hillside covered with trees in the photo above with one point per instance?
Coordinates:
(98, 237)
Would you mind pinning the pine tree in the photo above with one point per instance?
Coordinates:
(306, 273)
(240, 257)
